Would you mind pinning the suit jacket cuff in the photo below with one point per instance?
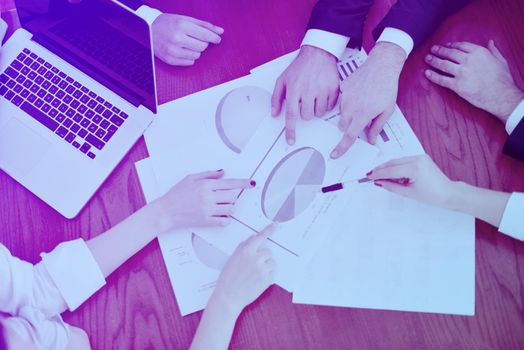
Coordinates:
(333, 43)
(512, 222)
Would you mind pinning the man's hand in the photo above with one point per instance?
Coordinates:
(179, 40)
(479, 75)
(310, 87)
(369, 95)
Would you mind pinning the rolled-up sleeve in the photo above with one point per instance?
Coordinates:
(512, 222)
(35, 295)
(74, 271)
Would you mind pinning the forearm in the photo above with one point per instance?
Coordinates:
(112, 248)
(216, 326)
(484, 204)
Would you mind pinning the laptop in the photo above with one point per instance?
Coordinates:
(77, 90)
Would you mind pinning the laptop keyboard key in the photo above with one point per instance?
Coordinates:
(117, 120)
(85, 147)
(39, 116)
(17, 100)
(94, 141)
(70, 137)
(9, 95)
(11, 72)
(62, 132)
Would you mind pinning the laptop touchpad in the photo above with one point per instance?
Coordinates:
(20, 147)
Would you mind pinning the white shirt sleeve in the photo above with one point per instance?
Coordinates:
(35, 295)
(74, 271)
(515, 117)
(333, 43)
(512, 222)
(398, 37)
(148, 14)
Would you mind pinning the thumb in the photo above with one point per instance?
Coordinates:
(378, 124)
(394, 187)
(495, 51)
(277, 98)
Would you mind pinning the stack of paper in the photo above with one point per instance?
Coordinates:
(361, 247)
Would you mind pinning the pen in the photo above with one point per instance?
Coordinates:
(341, 185)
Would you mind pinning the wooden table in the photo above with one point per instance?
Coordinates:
(137, 308)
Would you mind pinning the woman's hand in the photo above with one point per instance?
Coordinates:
(200, 200)
(247, 274)
(415, 177)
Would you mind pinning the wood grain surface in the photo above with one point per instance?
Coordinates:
(137, 308)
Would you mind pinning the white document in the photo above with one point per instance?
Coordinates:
(193, 264)
(392, 253)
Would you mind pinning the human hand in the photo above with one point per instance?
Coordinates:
(200, 200)
(310, 87)
(247, 274)
(369, 95)
(180, 40)
(479, 75)
(415, 177)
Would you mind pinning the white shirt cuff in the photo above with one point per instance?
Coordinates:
(148, 14)
(333, 43)
(397, 37)
(512, 222)
(75, 272)
(3, 30)
(515, 117)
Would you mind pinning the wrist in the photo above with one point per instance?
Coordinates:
(508, 104)
(457, 196)
(158, 216)
(391, 53)
(313, 51)
(229, 309)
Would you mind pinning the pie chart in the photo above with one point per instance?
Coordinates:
(207, 253)
(239, 115)
(293, 184)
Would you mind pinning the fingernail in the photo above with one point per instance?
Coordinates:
(429, 57)
(334, 154)
(291, 141)
(369, 173)
(448, 44)
(434, 48)
(428, 73)
(253, 183)
(377, 184)
(273, 111)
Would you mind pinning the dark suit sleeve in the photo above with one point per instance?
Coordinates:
(344, 17)
(514, 147)
(418, 18)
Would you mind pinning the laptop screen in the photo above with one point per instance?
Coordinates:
(99, 37)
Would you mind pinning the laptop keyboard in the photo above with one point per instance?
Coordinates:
(63, 105)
